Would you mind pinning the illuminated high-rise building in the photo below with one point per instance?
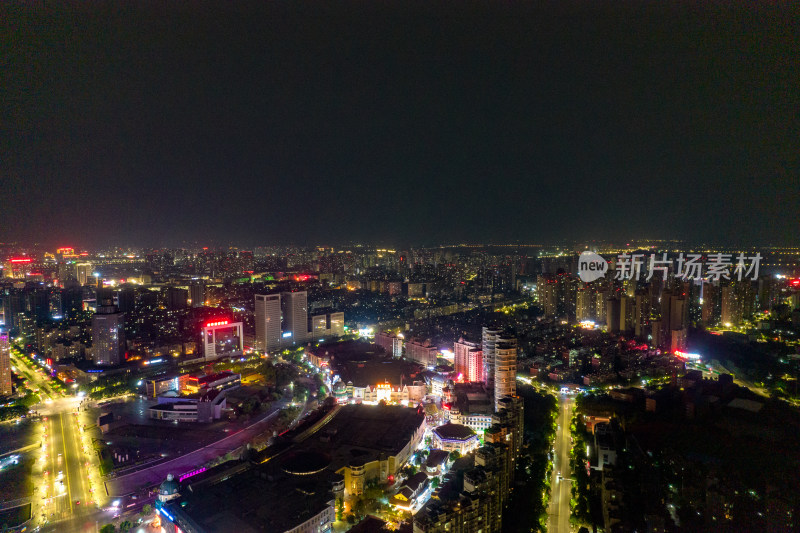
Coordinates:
(5, 365)
(268, 322)
(294, 306)
(600, 306)
(108, 333)
(738, 302)
(468, 360)
(583, 307)
(197, 293)
(679, 322)
(499, 362)
(547, 293)
(489, 338)
(18, 267)
(505, 369)
(83, 273)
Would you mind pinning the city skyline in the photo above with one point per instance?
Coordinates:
(314, 267)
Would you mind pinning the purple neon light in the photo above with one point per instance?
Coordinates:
(192, 473)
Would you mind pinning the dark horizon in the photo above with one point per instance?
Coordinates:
(539, 123)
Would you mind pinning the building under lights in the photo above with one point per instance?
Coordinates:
(475, 500)
(108, 334)
(468, 361)
(268, 322)
(222, 338)
(282, 320)
(220, 381)
(366, 443)
(455, 438)
(294, 306)
(422, 352)
(407, 395)
(326, 326)
(500, 363)
(393, 344)
(295, 494)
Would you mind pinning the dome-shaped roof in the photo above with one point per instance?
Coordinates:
(169, 486)
(452, 431)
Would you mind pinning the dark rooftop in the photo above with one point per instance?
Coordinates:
(452, 431)
(436, 457)
(261, 498)
(303, 463)
(363, 432)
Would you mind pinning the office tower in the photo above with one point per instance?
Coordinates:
(468, 360)
(108, 333)
(26, 327)
(329, 325)
(83, 273)
(64, 271)
(583, 306)
(38, 303)
(55, 303)
(126, 299)
(268, 322)
(71, 299)
(505, 369)
(294, 306)
(177, 298)
(5, 364)
(337, 324)
(318, 327)
(197, 293)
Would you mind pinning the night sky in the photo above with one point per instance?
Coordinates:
(313, 123)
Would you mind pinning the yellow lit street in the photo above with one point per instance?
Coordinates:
(561, 482)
